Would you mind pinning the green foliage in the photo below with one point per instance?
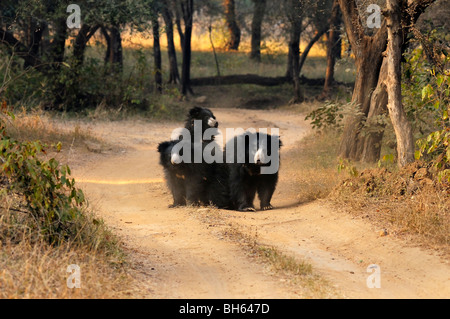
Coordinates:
(436, 145)
(47, 192)
(328, 115)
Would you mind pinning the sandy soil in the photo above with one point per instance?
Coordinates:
(178, 253)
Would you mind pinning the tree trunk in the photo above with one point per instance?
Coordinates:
(311, 43)
(178, 8)
(34, 39)
(174, 76)
(114, 48)
(157, 54)
(258, 17)
(333, 49)
(368, 59)
(378, 106)
(57, 46)
(402, 127)
(81, 40)
(233, 28)
(295, 18)
(188, 10)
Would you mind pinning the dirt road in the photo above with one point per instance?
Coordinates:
(183, 253)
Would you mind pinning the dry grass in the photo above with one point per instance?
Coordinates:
(38, 270)
(409, 203)
(40, 126)
(311, 168)
(31, 267)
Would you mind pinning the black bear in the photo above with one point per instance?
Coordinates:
(195, 181)
(174, 174)
(253, 162)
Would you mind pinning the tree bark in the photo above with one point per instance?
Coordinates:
(188, 11)
(333, 48)
(258, 17)
(174, 76)
(294, 13)
(378, 106)
(113, 54)
(81, 40)
(178, 14)
(35, 33)
(57, 46)
(368, 59)
(233, 28)
(308, 47)
(402, 127)
(157, 54)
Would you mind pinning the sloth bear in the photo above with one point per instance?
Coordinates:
(194, 181)
(253, 162)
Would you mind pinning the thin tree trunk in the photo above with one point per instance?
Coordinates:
(311, 43)
(294, 14)
(258, 17)
(178, 6)
(34, 39)
(157, 54)
(233, 28)
(114, 48)
(188, 10)
(57, 46)
(174, 76)
(333, 48)
(402, 127)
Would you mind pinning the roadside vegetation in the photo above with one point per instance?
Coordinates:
(46, 223)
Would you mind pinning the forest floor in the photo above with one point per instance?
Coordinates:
(204, 252)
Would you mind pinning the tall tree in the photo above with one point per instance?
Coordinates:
(333, 47)
(174, 76)
(113, 54)
(402, 127)
(294, 13)
(368, 59)
(258, 17)
(156, 52)
(369, 52)
(232, 25)
(188, 11)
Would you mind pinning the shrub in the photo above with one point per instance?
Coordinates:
(44, 187)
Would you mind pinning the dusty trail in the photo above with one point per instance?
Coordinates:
(180, 255)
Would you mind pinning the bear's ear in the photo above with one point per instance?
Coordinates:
(195, 111)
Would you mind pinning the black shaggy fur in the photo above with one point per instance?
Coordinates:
(245, 179)
(195, 183)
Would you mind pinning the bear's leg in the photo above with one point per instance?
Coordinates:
(246, 197)
(196, 191)
(178, 189)
(266, 188)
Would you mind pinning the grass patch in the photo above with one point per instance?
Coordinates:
(408, 202)
(311, 167)
(46, 225)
